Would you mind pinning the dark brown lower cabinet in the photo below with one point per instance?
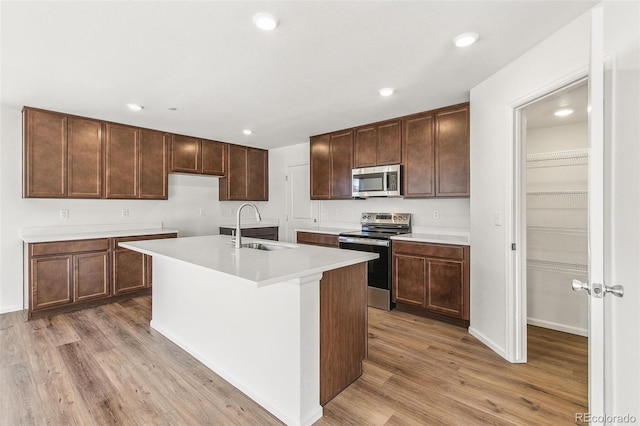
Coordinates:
(264, 233)
(316, 239)
(432, 280)
(69, 275)
(343, 328)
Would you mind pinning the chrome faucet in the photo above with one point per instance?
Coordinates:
(238, 228)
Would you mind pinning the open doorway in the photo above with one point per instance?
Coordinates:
(554, 194)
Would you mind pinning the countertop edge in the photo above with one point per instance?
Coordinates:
(457, 240)
(327, 231)
(31, 239)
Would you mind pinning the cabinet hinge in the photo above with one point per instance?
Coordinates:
(513, 246)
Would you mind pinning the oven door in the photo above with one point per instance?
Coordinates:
(379, 270)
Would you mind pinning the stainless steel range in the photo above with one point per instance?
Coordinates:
(375, 237)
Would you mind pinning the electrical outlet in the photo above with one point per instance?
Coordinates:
(64, 214)
(203, 212)
(125, 213)
(436, 214)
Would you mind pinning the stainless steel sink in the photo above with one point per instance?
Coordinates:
(266, 247)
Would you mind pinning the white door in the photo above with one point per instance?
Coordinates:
(302, 212)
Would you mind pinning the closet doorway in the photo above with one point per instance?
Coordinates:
(555, 155)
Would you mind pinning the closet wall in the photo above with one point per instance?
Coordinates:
(557, 159)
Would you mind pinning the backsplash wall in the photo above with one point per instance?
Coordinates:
(453, 214)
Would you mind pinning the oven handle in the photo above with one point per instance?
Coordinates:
(364, 241)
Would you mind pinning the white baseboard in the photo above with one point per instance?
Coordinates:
(558, 327)
(7, 309)
(488, 342)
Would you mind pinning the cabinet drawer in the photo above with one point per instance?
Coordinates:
(139, 238)
(429, 250)
(60, 247)
(317, 239)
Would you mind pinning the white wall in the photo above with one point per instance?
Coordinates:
(561, 56)
(622, 136)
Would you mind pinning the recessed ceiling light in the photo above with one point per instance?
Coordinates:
(265, 21)
(466, 39)
(247, 131)
(564, 112)
(135, 107)
(387, 91)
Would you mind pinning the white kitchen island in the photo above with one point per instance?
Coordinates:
(252, 316)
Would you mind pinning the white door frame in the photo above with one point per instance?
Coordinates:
(516, 282)
(516, 265)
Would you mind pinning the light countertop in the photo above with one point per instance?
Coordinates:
(88, 232)
(461, 239)
(216, 252)
(330, 231)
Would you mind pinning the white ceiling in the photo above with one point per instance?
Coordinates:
(541, 113)
(319, 71)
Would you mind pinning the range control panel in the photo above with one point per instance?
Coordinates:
(385, 218)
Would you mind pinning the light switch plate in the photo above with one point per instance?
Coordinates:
(497, 218)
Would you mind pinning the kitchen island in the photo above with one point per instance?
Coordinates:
(286, 326)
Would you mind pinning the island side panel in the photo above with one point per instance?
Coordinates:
(343, 328)
(262, 340)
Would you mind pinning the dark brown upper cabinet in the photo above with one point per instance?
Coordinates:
(121, 161)
(378, 144)
(331, 164)
(153, 161)
(247, 176)
(435, 147)
(62, 155)
(200, 156)
(136, 163)
(418, 156)
(452, 151)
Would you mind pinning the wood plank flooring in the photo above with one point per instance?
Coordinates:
(104, 365)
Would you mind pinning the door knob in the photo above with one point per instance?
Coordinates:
(616, 290)
(578, 285)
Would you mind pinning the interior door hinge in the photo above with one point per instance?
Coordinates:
(513, 246)
(286, 178)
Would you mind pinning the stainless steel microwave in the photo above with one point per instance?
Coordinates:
(381, 181)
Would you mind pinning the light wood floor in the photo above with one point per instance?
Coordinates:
(106, 366)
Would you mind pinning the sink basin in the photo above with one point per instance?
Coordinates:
(266, 247)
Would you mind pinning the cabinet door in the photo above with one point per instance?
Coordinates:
(237, 173)
(452, 152)
(185, 154)
(45, 154)
(418, 156)
(121, 161)
(51, 283)
(129, 271)
(341, 164)
(258, 175)
(85, 153)
(365, 142)
(409, 279)
(152, 170)
(214, 157)
(91, 276)
(320, 167)
(446, 288)
(389, 146)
